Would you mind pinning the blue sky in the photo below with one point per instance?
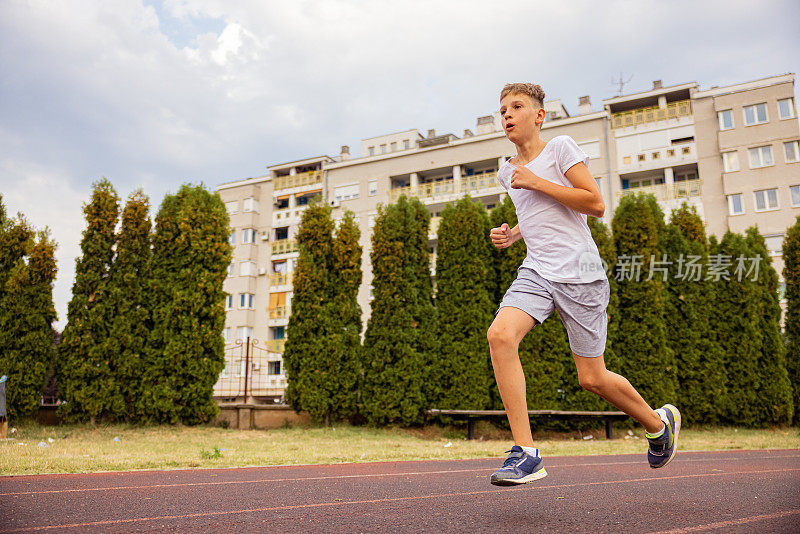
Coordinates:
(154, 94)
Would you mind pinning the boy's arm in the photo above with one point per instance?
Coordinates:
(583, 196)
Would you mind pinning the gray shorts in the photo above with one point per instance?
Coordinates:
(582, 308)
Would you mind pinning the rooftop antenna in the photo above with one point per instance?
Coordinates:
(621, 82)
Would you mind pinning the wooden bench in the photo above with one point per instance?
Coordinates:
(476, 415)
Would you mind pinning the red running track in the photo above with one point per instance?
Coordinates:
(736, 491)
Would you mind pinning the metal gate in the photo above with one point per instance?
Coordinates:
(253, 372)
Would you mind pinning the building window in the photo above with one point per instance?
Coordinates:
(281, 233)
(791, 152)
(247, 301)
(383, 149)
(371, 150)
(244, 332)
(232, 207)
(232, 238)
(231, 269)
(393, 146)
(774, 244)
(247, 268)
(755, 114)
(273, 368)
(226, 371)
(786, 108)
(278, 332)
(640, 157)
(248, 235)
(761, 157)
(730, 161)
(794, 192)
(226, 335)
(346, 192)
(406, 144)
(373, 188)
(250, 204)
(228, 302)
(766, 199)
(735, 206)
(591, 148)
(725, 119)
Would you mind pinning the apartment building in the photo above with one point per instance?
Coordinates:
(731, 151)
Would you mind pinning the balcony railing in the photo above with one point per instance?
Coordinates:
(673, 110)
(683, 189)
(298, 180)
(279, 279)
(279, 312)
(468, 184)
(275, 345)
(284, 246)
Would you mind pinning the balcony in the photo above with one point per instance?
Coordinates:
(279, 312)
(673, 110)
(275, 345)
(478, 183)
(658, 158)
(279, 279)
(288, 216)
(297, 180)
(284, 246)
(677, 190)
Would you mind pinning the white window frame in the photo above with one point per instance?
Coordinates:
(352, 191)
(730, 161)
(760, 153)
(250, 204)
(232, 269)
(232, 206)
(244, 330)
(226, 334)
(232, 238)
(796, 152)
(791, 108)
(247, 268)
(247, 301)
(383, 148)
(722, 122)
(228, 302)
(248, 236)
(767, 239)
(794, 196)
(272, 363)
(371, 151)
(406, 144)
(766, 200)
(591, 148)
(373, 188)
(755, 114)
(731, 211)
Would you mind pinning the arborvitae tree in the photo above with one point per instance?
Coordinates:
(129, 290)
(85, 378)
(191, 255)
(345, 339)
(400, 342)
(464, 307)
(27, 271)
(735, 324)
(791, 276)
(775, 391)
(698, 357)
(324, 332)
(641, 342)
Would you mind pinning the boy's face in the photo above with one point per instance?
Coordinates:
(519, 117)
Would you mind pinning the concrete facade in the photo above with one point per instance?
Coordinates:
(667, 141)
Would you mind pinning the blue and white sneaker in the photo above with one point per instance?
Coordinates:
(663, 448)
(519, 468)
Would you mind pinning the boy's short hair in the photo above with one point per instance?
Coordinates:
(533, 91)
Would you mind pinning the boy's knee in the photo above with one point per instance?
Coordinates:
(591, 382)
(499, 335)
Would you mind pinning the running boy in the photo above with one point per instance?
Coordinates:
(553, 191)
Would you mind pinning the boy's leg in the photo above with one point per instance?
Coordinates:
(505, 334)
(593, 376)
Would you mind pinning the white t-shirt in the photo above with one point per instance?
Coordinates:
(560, 244)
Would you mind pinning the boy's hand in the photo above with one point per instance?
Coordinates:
(501, 237)
(523, 178)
